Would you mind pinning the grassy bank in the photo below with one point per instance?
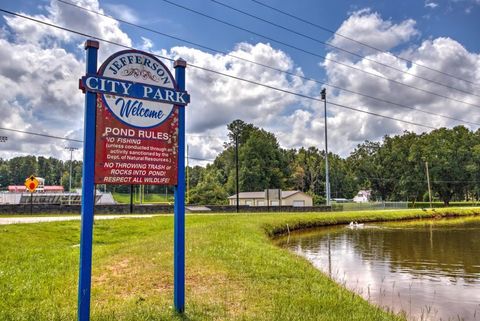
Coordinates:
(234, 271)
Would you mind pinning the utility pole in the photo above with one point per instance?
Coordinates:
(327, 178)
(428, 182)
(71, 149)
(236, 170)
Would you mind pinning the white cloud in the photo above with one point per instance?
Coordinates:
(431, 4)
(123, 12)
(53, 104)
(147, 44)
(443, 54)
(217, 100)
(39, 72)
(369, 27)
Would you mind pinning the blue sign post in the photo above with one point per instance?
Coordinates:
(93, 84)
(179, 223)
(88, 190)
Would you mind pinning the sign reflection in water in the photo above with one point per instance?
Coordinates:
(428, 270)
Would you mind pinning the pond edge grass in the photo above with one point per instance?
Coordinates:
(278, 229)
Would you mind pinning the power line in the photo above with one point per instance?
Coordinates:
(340, 49)
(215, 72)
(81, 141)
(317, 55)
(206, 136)
(419, 181)
(361, 43)
(267, 66)
(201, 159)
(41, 135)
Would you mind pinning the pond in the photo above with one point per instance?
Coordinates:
(426, 270)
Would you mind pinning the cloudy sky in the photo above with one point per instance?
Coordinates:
(420, 64)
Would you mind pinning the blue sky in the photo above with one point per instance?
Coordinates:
(439, 34)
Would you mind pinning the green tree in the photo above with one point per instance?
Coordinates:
(342, 180)
(5, 176)
(363, 163)
(209, 190)
(262, 164)
(238, 128)
(449, 154)
(309, 170)
(22, 167)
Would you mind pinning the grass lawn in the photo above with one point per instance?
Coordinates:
(234, 270)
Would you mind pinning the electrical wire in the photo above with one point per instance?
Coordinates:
(317, 55)
(41, 135)
(340, 49)
(361, 43)
(81, 141)
(267, 66)
(420, 181)
(201, 159)
(216, 72)
(206, 136)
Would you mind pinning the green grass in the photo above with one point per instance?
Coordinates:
(233, 270)
(148, 198)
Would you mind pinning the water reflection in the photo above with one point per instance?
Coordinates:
(429, 270)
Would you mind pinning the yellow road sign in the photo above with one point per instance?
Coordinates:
(31, 183)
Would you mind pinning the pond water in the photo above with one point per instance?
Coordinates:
(427, 270)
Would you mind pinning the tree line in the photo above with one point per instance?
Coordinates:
(56, 172)
(393, 169)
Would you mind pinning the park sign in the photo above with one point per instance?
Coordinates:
(134, 133)
(136, 120)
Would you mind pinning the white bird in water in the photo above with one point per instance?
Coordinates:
(354, 225)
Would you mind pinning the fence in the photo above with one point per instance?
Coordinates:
(51, 198)
(369, 206)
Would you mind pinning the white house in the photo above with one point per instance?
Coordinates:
(363, 196)
(288, 198)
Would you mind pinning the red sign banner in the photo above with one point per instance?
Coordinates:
(136, 139)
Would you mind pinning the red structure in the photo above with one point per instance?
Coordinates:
(45, 189)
